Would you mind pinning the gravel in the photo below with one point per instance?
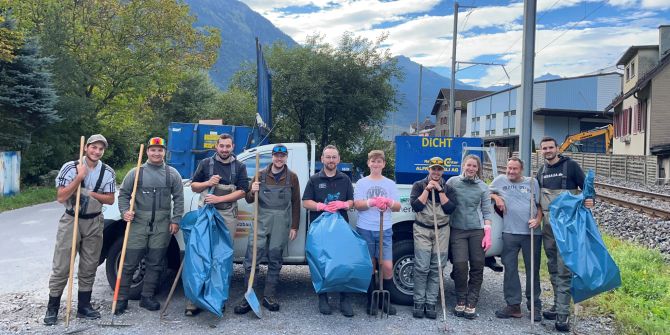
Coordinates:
(22, 313)
(662, 189)
(631, 225)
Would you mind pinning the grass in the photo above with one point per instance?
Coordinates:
(29, 196)
(642, 304)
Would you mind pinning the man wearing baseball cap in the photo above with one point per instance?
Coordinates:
(426, 275)
(278, 191)
(98, 186)
(153, 221)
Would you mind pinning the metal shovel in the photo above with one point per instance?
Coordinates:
(381, 298)
(250, 295)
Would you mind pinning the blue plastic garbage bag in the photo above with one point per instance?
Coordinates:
(581, 245)
(208, 259)
(338, 257)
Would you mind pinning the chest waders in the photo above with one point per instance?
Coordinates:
(274, 221)
(228, 210)
(149, 235)
(559, 274)
(90, 227)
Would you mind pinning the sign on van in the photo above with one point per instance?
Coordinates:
(414, 152)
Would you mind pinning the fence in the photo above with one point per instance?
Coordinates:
(639, 169)
(10, 171)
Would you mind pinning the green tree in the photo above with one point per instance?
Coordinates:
(27, 96)
(197, 98)
(10, 39)
(112, 60)
(337, 93)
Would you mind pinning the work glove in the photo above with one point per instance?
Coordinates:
(486, 241)
(320, 207)
(376, 202)
(336, 205)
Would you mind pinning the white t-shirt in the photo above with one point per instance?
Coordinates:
(368, 188)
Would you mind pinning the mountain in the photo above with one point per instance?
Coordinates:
(431, 83)
(239, 26)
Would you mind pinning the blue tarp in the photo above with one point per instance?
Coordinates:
(338, 257)
(581, 245)
(208, 260)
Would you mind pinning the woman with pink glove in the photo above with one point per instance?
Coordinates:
(373, 194)
(470, 234)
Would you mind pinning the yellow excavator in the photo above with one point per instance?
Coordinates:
(607, 131)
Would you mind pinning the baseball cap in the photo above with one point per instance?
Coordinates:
(97, 138)
(436, 162)
(156, 141)
(280, 149)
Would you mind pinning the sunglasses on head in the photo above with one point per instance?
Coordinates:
(282, 150)
(157, 141)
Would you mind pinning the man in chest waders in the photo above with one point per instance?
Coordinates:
(98, 185)
(278, 221)
(152, 222)
(227, 179)
(558, 174)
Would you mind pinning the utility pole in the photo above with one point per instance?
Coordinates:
(452, 92)
(418, 108)
(525, 97)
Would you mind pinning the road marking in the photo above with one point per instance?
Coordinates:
(29, 222)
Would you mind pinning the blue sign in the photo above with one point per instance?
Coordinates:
(412, 154)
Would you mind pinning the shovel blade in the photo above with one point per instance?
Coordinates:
(250, 295)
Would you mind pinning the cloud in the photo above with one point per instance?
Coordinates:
(491, 33)
(577, 52)
(658, 4)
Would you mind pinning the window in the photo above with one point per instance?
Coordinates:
(627, 73)
(632, 69)
(250, 162)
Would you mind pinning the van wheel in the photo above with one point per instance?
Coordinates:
(111, 267)
(402, 292)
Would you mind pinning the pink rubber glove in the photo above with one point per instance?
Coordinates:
(320, 207)
(374, 202)
(378, 202)
(486, 241)
(336, 205)
(389, 202)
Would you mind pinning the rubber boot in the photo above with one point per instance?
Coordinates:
(368, 307)
(243, 307)
(84, 308)
(52, 311)
(121, 307)
(345, 305)
(149, 303)
(389, 309)
(550, 314)
(431, 313)
(324, 307)
(562, 323)
(418, 311)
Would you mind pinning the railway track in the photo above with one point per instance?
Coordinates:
(641, 204)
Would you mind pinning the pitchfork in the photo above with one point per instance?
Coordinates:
(381, 298)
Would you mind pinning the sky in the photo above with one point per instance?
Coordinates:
(573, 37)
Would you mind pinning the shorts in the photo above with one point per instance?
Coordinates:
(372, 238)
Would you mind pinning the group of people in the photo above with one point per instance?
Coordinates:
(455, 214)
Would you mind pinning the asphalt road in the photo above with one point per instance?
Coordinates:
(28, 237)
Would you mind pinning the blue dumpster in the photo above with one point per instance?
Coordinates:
(189, 143)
